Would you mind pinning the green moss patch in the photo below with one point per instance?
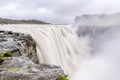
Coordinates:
(62, 77)
(5, 54)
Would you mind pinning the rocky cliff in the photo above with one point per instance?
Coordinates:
(104, 20)
(22, 65)
(18, 43)
(96, 24)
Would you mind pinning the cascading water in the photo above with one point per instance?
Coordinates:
(56, 44)
(93, 56)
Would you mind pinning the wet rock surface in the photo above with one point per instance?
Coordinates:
(22, 65)
(18, 43)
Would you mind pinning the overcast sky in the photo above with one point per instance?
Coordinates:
(55, 11)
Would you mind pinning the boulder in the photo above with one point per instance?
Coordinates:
(18, 43)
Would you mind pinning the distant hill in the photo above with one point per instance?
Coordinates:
(11, 21)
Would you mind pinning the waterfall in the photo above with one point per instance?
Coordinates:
(56, 44)
(92, 56)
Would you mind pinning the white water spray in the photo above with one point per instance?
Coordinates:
(103, 63)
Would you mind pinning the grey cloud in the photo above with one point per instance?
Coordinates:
(55, 11)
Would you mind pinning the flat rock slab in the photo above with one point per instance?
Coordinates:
(25, 69)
